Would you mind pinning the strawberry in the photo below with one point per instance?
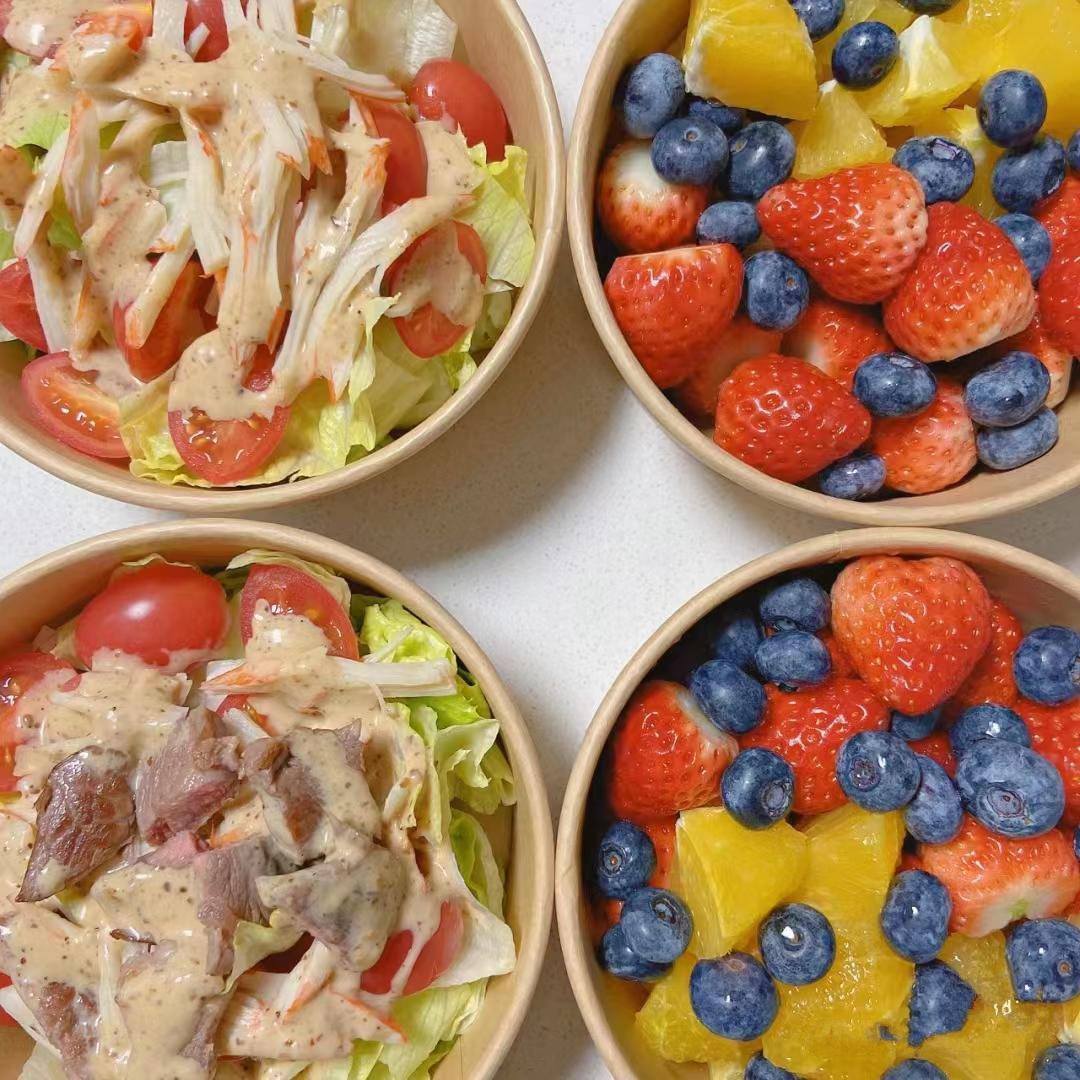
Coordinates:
(931, 450)
(841, 662)
(639, 209)
(1055, 733)
(992, 679)
(914, 628)
(662, 833)
(1059, 294)
(1055, 358)
(938, 747)
(741, 341)
(665, 755)
(807, 729)
(857, 232)
(994, 880)
(786, 418)
(1060, 214)
(968, 288)
(836, 338)
(673, 306)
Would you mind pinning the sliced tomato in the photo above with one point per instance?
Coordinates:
(18, 308)
(450, 89)
(211, 14)
(427, 332)
(289, 591)
(155, 612)
(128, 22)
(242, 703)
(69, 406)
(18, 673)
(434, 958)
(5, 1020)
(407, 164)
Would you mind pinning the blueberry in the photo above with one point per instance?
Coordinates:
(1002, 449)
(865, 54)
(1044, 960)
(914, 1068)
(940, 1002)
(1007, 392)
(727, 119)
(915, 916)
(793, 659)
(1012, 108)
(894, 384)
(1060, 1062)
(1023, 177)
(690, 151)
(910, 728)
(987, 721)
(800, 604)
(729, 223)
(1012, 790)
(762, 156)
(946, 170)
(820, 17)
(736, 638)
(651, 94)
(936, 813)
(1076, 841)
(733, 996)
(878, 771)
(758, 1068)
(729, 697)
(618, 959)
(625, 862)
(777, 290)
(657, 925)
(758, 788)
(1072, 152)
(1047, 665)
(798, 945)
(1030, 238)
(857, 476)
(928, 7)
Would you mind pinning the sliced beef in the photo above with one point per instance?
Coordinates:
(200, 1049)
(69, 1020)
(176, 853)
(289, 794)
(85, 814)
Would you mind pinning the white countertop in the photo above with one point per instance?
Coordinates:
(557, 521)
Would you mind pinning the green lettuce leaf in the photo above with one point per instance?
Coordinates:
(476, 861)
(254, 942)
(62, 232)
(36, 103)
(396, 633)
(7, 245)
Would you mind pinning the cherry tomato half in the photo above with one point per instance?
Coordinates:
(5, 1020)
(243, 703)
(18, 673)
(18, 308)
(433, 959)
(448, 88)
(407, 164)
(211, 14)
(154, 612)
(68, 405)
(289, 591)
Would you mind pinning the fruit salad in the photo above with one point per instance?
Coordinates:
(247, 243)
(239, 832)
(844, 235)
(834, 834)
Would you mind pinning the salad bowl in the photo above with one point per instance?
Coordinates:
(52, 588)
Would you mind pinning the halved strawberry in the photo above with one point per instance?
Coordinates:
(836, 338)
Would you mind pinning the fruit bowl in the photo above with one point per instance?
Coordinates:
(1036, 590)
(50, 589)
(639, 28)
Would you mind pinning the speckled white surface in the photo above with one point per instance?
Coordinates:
(556, 521)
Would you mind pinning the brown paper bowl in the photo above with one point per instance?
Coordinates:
(1038, 591)
(496, 39)
(644, 26)
(56, 586)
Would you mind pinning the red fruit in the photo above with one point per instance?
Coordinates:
(836, 338)
(1055, 733)
(808, 728)
(992, 679)
(908, 861)
(639, 209)
(673, 306)
(857, 232)
(786, 418)
(968, 289)
(931, 450)
(662, 833)
(665, 755)
(938, 747)
(1059, 293)
(1060, 214)
(841, 662)
(1055, 358)
(994, 880)
(914, 628)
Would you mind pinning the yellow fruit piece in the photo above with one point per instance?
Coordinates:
(732, 876)
(755, 54)
(962, 126)
(838, 136)
(890, 12)
(669, 1027)
(990, 19)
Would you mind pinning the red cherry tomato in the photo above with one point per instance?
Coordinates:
(129, 23)
(433, 959)
(5, 1020)
(407, 164)
(70, 407)
(153, 612)
(18, 673)
(289, 591)
(18, 309)
(243, 703)
(448, 88)
(210, 14)
(427, 332)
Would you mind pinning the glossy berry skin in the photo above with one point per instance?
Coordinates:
(651, 95)
(733, 996)
(777, 290)
(914, 1068)
(758, 788)
(836, 338)
(793, 659)
(1024, 177)
(865, 54)
(625, 862)
(858, 476)
(1003, 449)
(1012, 108)
(762, 156)
(1007, 392)
(799, 604)
(937, 748)
(657, 925)
(987, 721)
(1030, 238)
(736, 638)
(726, 118)
(1058, 1063)
(1059, 293)
(729, 697)
(729, 223)
(918, 726)
(940, 1002)
(1072, 151)
(690, 150)
(1055, 734)
(758, 1068)
(915, 916)
(797, 943)
(945, 169)
(1047, 665)
(878, 771)
(618, 959)
(894, 384)
(820, 17)
(1044, 960)
(992, 680)
(936, 813)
